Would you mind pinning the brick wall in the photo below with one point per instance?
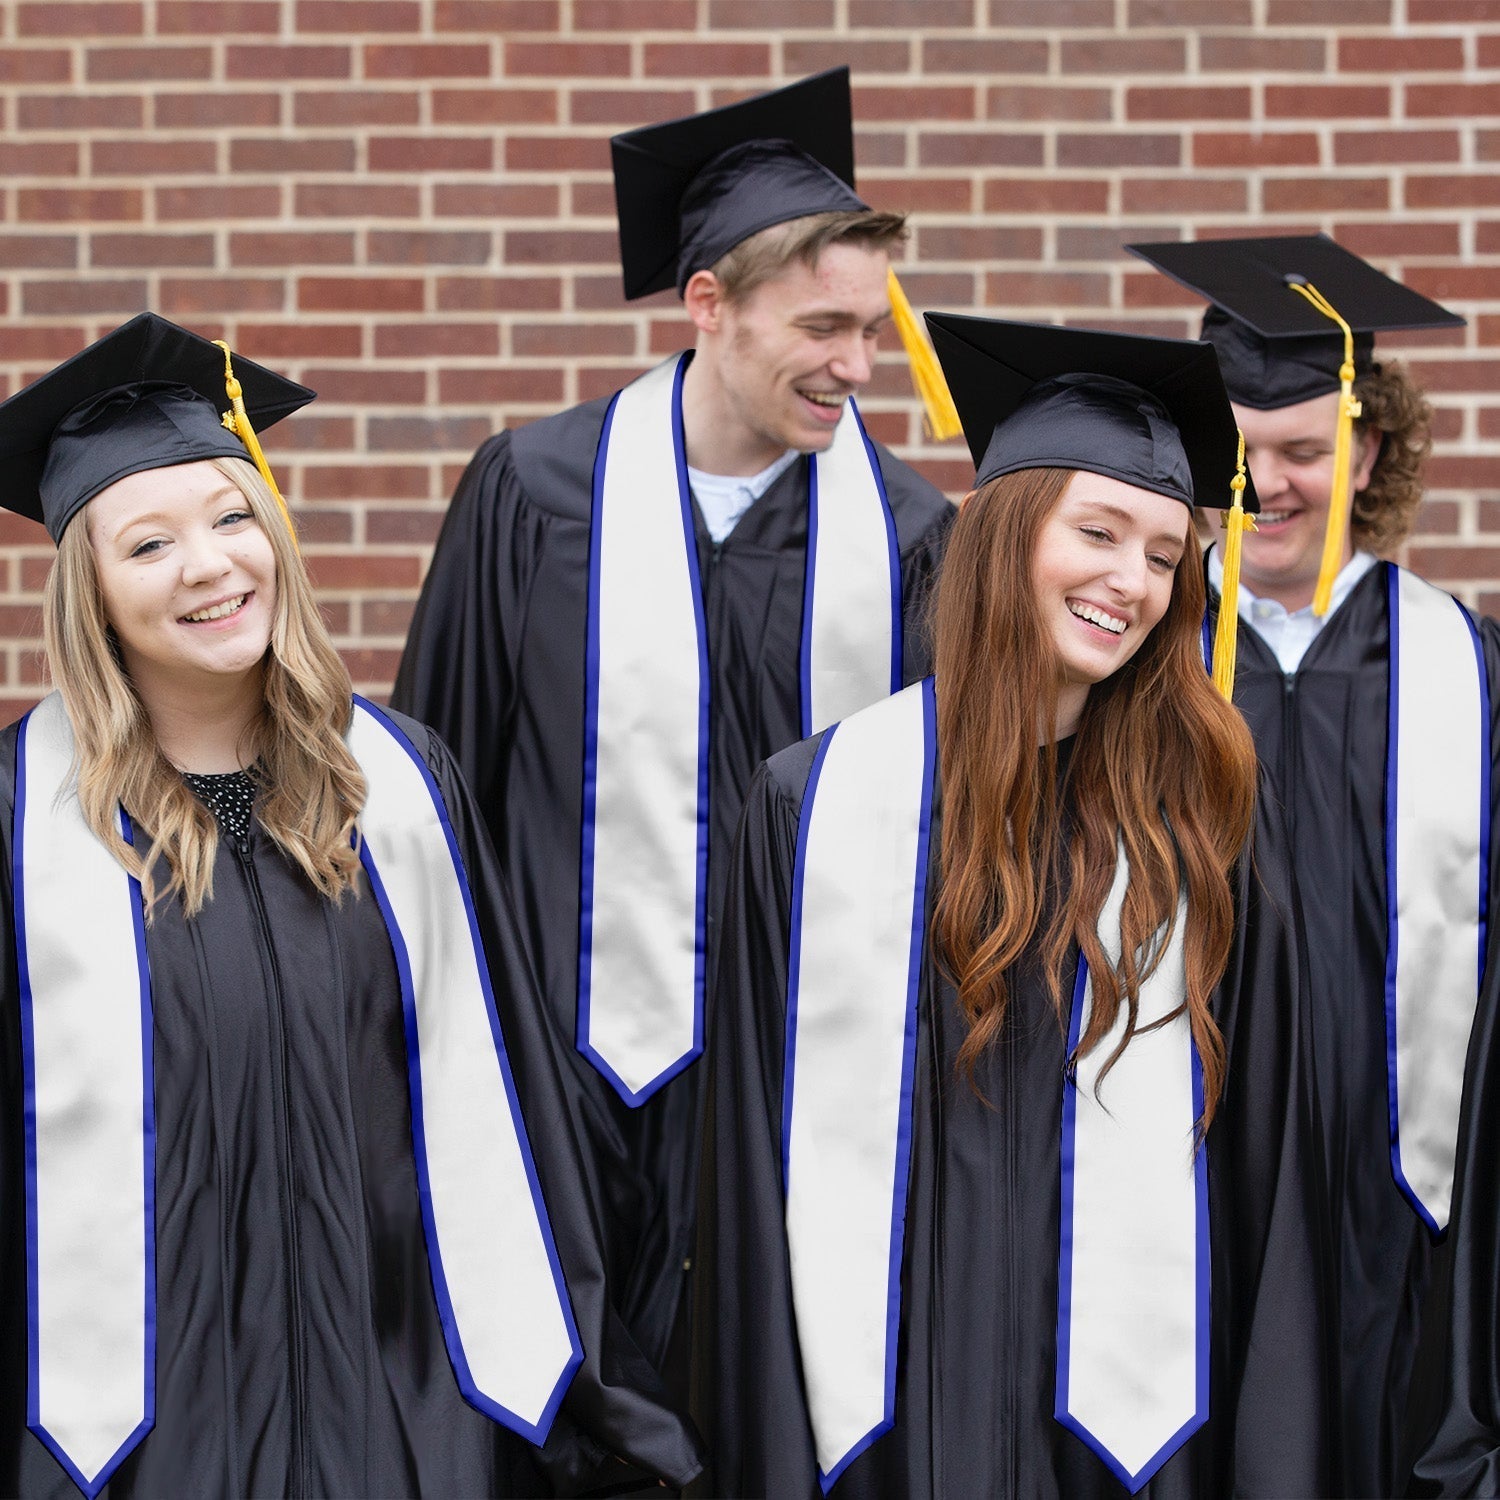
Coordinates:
(415, 218)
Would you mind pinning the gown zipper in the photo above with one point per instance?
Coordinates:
(301, 1485)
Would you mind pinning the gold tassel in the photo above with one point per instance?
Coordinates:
(237, 420)
(1236, 523)
(926, 372)
(1343, 442)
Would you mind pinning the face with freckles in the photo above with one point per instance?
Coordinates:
(187, 576)
(1103, 569)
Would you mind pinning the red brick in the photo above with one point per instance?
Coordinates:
(628, 107)
(149, 251)
(768, 15)
(1119, 149)
(386, 617)
(1390, 147)
(116, 64)
(374, 15)
(219, 108)
(937, 288)
(874, 148)
(567, 60)
(312, 433)
(217, 17)
(20, 620)
(927, 104)
(1431, 12)
(1094, 14)
(368, 386)
(596, 200)
(364, 482)
(544, 340)
(1192, 13)
(1025, 102)
(1411, 237)
(1254, 149)
(300, 340)
(557, 153)
(429, 247)
(85, 18)
(706, 59)
(1076, 242)
(431, 153)
(213, 296)
(33, 65)
(494, 106)
(989, 55)
(77, 205)
(357, 200)
(38, 159)
(1187, 104)
(1154, 290)
(286, 61)
(1489, 52)
(1329, 12)
(427, 60)
(50, 344)
(498, 293)
(361, 294)
(495, 200)
(924, 193)
(425, 434)
(1445, 282)
(1454, 564)
(1456, 374)
(1437, 517)
(328, 527)
(1400, 54)
(38, 252)
(286, 247)
(979, 149)
(1458, 191)
(80, 112)
(422, 340)
(152, 158)
(1046, 195)
(878, 14)
(490, 386)
(357, 107)
(389, 527)
(862, 57)
(1124, 56)
(497, 17)
(281, 155)
(75, 298)
(1318, 101)
(1456, 471)
(213, 201)
(354, 570)
(1041, 289)
(966, 242)
(1233, 53)
(1452, 100)
(1281, 195)
(551, 247)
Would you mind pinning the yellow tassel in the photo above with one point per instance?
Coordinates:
(237, 420)
(1343, 442)
(926, 372)
(1236, 524)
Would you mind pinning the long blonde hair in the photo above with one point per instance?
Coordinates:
(309, 787)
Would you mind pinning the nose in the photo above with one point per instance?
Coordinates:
(1129, 576)
(204, 558)
(1267, 473)
(853, 360)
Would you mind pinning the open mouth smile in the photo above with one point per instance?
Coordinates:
(1092, 614)
(220, 611)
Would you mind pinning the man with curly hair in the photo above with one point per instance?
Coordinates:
(1369, 693)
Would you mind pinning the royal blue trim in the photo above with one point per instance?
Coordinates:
(1485, 811)
(809, 571)
(1208, 642)
(90, 1487)
(1134, 1482)
(893, 549)
(634, 1098)
(533, 1432)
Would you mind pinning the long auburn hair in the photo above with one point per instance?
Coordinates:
(310, 788)
(1160, 764)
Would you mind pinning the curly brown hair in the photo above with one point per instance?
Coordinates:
(1385, 511)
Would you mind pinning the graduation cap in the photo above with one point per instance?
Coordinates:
(1276, 346)
(1150, 412)
(147, 396)
(1273, 301)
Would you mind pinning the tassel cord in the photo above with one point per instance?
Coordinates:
(237, 420)
(1226, 638)
(926, 373)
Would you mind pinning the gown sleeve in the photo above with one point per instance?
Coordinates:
(617, 1418)
(747, 1375)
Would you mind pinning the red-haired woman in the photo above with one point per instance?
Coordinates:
(1009, 1187)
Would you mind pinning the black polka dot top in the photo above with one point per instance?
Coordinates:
(228, 795)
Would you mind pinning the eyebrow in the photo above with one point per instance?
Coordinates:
(1122, 514)
(841, 316)
(157, 518)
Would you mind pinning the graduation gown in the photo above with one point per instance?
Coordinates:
(495, 663)
(1321, 733)
(976, 1352)
(299, 1349)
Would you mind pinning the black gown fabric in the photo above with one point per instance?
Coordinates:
(299, 1348)
(1321, 733)
(976, 1359)
(495, 663)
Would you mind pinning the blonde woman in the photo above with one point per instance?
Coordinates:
(288, 1185)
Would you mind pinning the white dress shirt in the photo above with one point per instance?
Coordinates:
(724, 498)
(1290, 632)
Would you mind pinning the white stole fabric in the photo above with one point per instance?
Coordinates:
(1437, 878)
(90, 1163)
(1133, 1268)
(644, 848)
(857, 928)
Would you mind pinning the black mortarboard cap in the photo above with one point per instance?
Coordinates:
(1151, 412)
(147, 396)
(687, 192)
(1275, 347)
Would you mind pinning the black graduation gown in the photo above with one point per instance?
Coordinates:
(1321, 733)
(976, 1362)
(299, 1347)
(495, 663)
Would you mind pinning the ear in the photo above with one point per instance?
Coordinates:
(967, 498)
(703, 297)
(1367, 442)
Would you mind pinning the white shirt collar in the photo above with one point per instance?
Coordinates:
(724, 498)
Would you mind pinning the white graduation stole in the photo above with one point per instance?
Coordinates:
(86, 1031)
(644, 853)
(857, 940)
(1437, 826)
